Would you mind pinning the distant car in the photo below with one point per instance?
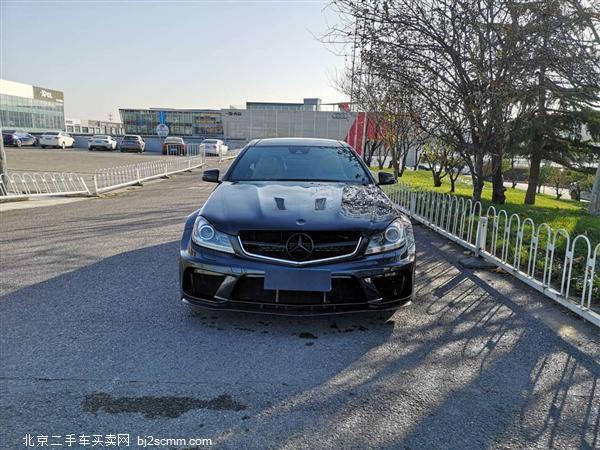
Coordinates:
(174, 146)
(132, 143)
(214, 147)
(102, 141)
(58, 139)
(19, 138)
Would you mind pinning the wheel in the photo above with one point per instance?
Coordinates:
(91, 148)
(43, 146)
(63, 145)
(19, 143)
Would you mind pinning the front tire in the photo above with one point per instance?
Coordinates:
(19, 144)
(43, 146)
(63, 145)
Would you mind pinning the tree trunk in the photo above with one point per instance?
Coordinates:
(437, 181)
(497, 181)
(478, 181)
(452, 183)
(534, 178)
(594, 207)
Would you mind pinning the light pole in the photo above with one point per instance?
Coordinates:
(3, 167)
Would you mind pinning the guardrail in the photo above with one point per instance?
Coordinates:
(564, 269)
(15, 186)
(118, 177)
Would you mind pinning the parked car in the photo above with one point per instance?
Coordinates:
(174, 146)
(214, 147)
(58, 139)
(132, 143)
(102, 142)
(18, 139)
(297, 226)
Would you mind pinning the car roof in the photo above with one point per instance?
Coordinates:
(311, 142)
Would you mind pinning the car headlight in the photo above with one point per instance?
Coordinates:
(393, 237)
(205, 235)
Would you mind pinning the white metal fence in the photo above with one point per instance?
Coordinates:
(117, 177)
(562, 268)
(223, 153)
(18, 185)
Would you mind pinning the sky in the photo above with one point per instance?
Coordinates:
(106, 55)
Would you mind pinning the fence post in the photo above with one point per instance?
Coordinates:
(481, 235)
(137, 173)
(166, 169)
(413, 203)
(96, 184)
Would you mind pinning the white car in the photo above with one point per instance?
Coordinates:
(102, 141)
(58, 139)
(214, 147)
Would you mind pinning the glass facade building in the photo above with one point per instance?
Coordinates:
(181, 122)
(30, 108)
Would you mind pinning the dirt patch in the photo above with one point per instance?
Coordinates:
(306, 335)
(152, 407)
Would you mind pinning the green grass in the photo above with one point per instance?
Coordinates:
(567, 214)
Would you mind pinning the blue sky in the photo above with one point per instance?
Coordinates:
(110, 54)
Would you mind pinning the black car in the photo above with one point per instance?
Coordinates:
(18, 138)
(297, 226)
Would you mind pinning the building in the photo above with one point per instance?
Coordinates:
(309, 104)
(258, 120)
(182, 122)
(88, 126)
(30, 108)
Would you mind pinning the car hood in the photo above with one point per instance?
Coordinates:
(297, 206)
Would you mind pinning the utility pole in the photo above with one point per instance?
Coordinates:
(3, 166)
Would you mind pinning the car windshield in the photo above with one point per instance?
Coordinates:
(100, 136)
(50, 134)
(299, 163)
(209, 141)
(175, 140)
(130, 138)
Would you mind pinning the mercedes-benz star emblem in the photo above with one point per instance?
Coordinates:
(299, 246)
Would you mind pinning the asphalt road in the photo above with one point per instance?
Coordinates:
(94, 340)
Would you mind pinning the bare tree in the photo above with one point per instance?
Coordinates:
(458, 57)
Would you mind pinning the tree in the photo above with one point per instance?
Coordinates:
(453, 167)
(562, 90)
(435, 156)
(457, 58)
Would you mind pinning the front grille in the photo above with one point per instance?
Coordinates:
(300, 246)
(343, 291)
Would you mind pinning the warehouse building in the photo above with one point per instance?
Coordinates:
(257, 120)
(90, 126)
(30, 108)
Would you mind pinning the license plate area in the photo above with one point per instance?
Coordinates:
(298, 280)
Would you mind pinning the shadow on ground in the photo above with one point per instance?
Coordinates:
(110, 345)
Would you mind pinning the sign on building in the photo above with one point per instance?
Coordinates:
(48, 95)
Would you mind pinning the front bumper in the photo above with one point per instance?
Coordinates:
(216, 280)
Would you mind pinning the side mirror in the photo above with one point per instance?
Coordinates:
(386, 178)
(211, 175)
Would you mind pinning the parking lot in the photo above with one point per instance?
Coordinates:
(96, 341)
(76, 160)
